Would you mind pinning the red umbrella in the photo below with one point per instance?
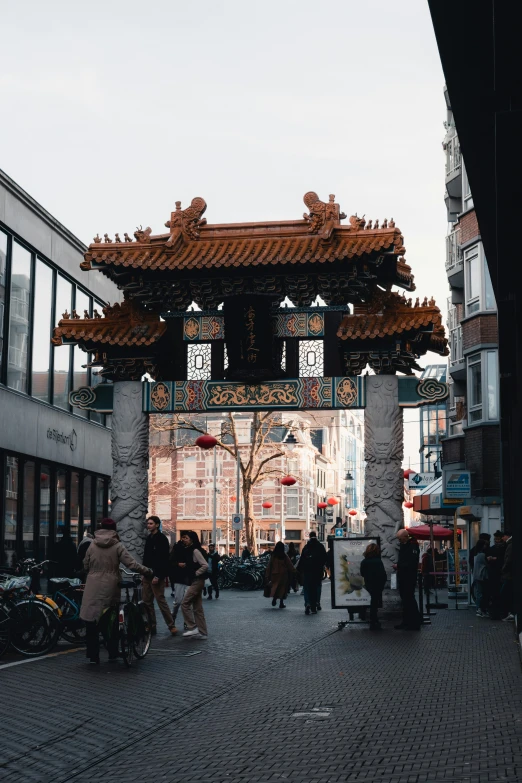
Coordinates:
(423, 532)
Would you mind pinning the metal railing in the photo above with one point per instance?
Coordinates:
(453, 256)
(453, 156)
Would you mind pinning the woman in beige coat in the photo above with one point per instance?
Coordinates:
(278, 573)
(102, 588)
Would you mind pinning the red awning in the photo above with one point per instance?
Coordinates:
(423, 532)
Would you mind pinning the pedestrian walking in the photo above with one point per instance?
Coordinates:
(245, 554)
(506, 576)
(277, 575)
(311, 570)
(156, 557)
(495, 560)
(192, 604)
(374, 575)
(213, 560)
(83, 546)
(407, 570)
(180, 575)
(102, 587)
(293, 554)
(480, 577)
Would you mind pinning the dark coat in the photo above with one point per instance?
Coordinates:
(497, 551)
(66, 557)
(408, 564)
(507, 566)
(278, 576)
(180, 554)
(374, 575)
(156, 554)
(312, 561)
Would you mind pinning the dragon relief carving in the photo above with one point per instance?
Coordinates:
(384, 447)
(321, 213)
(130, 454)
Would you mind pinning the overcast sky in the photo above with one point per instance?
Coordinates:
(112, 111)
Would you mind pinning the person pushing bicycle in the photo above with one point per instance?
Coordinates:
(102, 588)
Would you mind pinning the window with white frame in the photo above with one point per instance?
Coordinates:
(243, 430)
(483, 404)
(163, 508)
(163, 468)
(292, 502)
(467, 198)
(190, 465)
(189, 506)
(479, 291)
(209, 464)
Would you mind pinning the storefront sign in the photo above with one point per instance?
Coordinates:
(70, 439)
(456, 485)
(420, 480)
(347, 583)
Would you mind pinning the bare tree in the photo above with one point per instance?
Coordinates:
(256, 457)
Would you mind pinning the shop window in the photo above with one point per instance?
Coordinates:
(28, 510)
(10, 509)
(74, 507)
(19, 310)
(292, 535)
(3, 266)
(62, 353)
(61, 503)
(42, 326)
(87, 503)
(45, 512)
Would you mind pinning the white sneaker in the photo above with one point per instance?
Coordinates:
(193, 632)
(509, 619)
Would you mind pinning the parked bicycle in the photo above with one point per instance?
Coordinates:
(129, 623)
(27, 624)
(243, 574)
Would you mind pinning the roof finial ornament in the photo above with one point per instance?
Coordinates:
(188, 220)
(143, 235)
(127, 238)
(320, 213)
(107, 239)
(97, 239)
(117, 238)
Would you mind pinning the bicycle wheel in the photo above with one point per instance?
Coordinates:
(5, 632)
(142, 634)
(74, 632)
(125, 632)
(35, 628)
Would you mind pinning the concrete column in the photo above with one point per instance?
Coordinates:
(130, 457)
(383, 452)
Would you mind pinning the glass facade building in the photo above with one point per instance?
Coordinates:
(54, 459)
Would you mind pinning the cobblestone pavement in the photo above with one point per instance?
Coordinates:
(274, 695)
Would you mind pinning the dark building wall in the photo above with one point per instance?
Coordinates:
(479, 330)
(453, 450)
(482, 449)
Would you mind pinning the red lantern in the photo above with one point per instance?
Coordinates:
(407, 473)
(332, 501)
(352, 512)
(408, 504)
(206, 441)
(267, 504)
(288, 481)
(322, 505)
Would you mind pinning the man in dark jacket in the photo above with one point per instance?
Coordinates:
(156, 557)
(180, 562)
(311, 568)
(506, 576)
(495, 560)
(407, 571)
(213, 559)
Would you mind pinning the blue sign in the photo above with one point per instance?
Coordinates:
(339, 532)
(457, 484)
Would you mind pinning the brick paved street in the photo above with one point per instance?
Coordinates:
(274, 695)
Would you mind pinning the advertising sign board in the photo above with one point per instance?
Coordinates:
(420, 480)
(347, 583)
(456, 484)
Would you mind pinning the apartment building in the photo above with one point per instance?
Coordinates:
(473, 438)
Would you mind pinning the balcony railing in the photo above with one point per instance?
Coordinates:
(453, 256)
(453, 156)
(455, 341)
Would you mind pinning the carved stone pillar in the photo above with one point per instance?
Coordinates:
(383, 452)
(130, 455)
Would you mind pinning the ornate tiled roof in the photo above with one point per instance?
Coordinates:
(318, 238)
(122, 325)
(392, 315)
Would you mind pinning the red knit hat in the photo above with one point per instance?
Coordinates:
(108, 524)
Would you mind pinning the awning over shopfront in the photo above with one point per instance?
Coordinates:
(430, 501)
